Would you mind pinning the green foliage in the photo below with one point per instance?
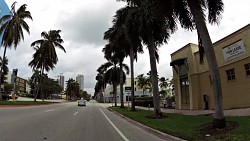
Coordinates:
(4, 64)
(49, 87)
(144, 101)
(188, 127)
(8, 87)
(72, 89)
(25, 102)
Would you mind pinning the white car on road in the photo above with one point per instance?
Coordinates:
(82, 102)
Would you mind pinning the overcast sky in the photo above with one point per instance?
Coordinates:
(83, 23)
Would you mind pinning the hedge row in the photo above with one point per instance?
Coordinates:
(144, 101)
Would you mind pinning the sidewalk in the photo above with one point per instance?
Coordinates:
(231, 112)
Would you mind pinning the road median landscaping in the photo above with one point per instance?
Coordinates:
(193, 128)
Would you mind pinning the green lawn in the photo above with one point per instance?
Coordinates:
(189, 127)
(24, 102)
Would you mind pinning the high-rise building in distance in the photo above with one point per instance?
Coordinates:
(61, 80)
(80, 81)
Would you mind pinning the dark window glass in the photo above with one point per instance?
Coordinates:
(247, 68)
(230, 74)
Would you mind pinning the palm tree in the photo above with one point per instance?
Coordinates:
(40, 61)
(33, 81)
(164, 83)
(192, 12)
(142, 83)
(69, 88)
(4, 63)
(45, 56)
(100, 85)
(12, 29)
(127, 31)
(115, 51)
(112, 74)
(153, 31)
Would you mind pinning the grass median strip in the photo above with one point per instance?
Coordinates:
(25, 102)
(194, 128)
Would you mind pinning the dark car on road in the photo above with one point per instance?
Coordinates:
(5, 96)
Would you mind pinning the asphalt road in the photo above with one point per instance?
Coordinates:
(68, 122)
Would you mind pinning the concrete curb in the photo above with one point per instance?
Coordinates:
(149, 129)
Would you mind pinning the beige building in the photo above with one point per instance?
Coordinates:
(192, 80)
(20, 84)
(138, 92)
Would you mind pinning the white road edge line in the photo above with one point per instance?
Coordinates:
(50, 110)
(125, 138)
(75, 113)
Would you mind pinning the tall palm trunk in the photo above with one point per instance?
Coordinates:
(154, 77)
(38, 87)
(121, 84)
(1, 72)
(115, 92)
(132, 79)
(219, 119)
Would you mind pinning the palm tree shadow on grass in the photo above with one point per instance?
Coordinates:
(208, 130)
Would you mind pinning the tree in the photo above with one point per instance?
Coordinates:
(100, 84)
(113, 52)
(34, 79)
(192, 12)
(165, 86)
(69, 88)
(112, 73)
(4, 64)
(154, 32)
(72, 89)
(50, 87)
(12, 30)
(142, 82)
(45, 56)
(164, 83)
(125, 36)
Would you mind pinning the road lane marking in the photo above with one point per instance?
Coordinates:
(50, 110)
(124, 138)
(75, 113)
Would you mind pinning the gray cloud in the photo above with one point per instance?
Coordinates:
(83, 24)
(87, 26)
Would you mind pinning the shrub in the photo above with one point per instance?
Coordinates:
(144, 101)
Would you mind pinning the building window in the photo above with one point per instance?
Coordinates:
(135, 82)
(135, 89)
(184, 90)
(230, 74)
(210, 79)
(247, 68)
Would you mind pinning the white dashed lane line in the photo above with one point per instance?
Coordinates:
(75, 113)
(119, 132)
(50, 110)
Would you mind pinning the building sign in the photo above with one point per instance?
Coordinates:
(127, 89)
(233, 50)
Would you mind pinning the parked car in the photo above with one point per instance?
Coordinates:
(82, 102)
(5, 96)
(11, 96)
